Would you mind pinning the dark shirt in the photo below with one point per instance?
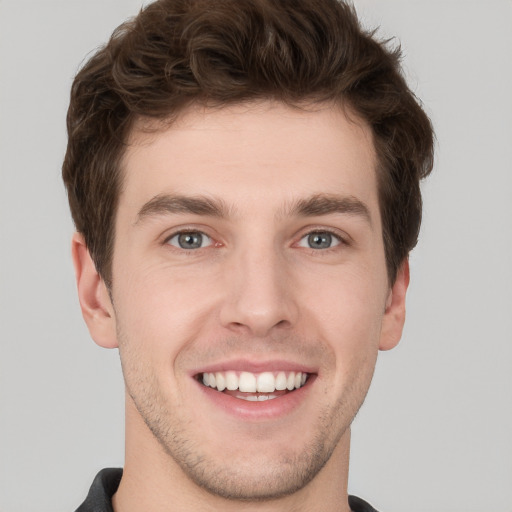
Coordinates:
(107, 481)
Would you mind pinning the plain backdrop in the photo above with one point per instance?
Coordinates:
(435, 433)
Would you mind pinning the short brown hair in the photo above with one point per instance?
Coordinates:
(220, 52)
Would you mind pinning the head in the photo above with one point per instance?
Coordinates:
(244, 177)
(178, 53)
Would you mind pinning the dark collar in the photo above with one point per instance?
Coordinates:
(107, 481)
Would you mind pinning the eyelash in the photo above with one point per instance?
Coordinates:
(323, 231)
(191, 232)
(341, 241)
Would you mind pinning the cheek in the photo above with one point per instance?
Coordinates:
(348, 315)
(161, 308)
(348, 302)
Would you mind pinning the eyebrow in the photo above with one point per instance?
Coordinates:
(326, 204)
(171, 204)
(316, 205)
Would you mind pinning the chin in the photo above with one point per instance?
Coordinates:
(253, 478)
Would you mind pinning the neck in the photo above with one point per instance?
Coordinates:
(152, 480)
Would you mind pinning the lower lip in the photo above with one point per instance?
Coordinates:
(258, 411)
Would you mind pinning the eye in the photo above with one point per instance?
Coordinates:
(190, 240)
(319, 240)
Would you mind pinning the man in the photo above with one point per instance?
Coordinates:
(244, 180)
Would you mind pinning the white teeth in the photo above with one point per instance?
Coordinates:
(266, 383)
(257, 398)
(221, 381)
(290, 382)
(281, 381)
(247, 382)
(231, 381)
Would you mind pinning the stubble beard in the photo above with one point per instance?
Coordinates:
(273, 476)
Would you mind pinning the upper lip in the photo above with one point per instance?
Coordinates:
(252, 366)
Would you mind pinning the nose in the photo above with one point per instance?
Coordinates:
(259, 294)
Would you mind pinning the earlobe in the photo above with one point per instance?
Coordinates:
(93, 295)
(394, 316)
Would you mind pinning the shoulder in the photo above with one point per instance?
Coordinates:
(102, 489)
(358, 505)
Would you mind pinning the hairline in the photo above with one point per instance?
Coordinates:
(140, 129)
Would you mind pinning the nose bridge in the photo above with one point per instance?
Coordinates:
(258, 298)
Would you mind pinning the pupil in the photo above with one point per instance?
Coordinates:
(320, 240)
(190, 240)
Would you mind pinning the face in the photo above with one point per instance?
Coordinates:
(250, 294)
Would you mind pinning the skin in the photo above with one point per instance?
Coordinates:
(255, 292)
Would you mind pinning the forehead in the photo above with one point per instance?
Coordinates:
(260, 153)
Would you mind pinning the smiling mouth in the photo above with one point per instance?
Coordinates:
(254, 387)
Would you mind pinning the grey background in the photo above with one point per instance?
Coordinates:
(436, 430)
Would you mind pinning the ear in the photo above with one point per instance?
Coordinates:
(93, 295)
(394, 316)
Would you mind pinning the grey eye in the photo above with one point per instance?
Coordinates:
(319, 240)
(190, 240)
